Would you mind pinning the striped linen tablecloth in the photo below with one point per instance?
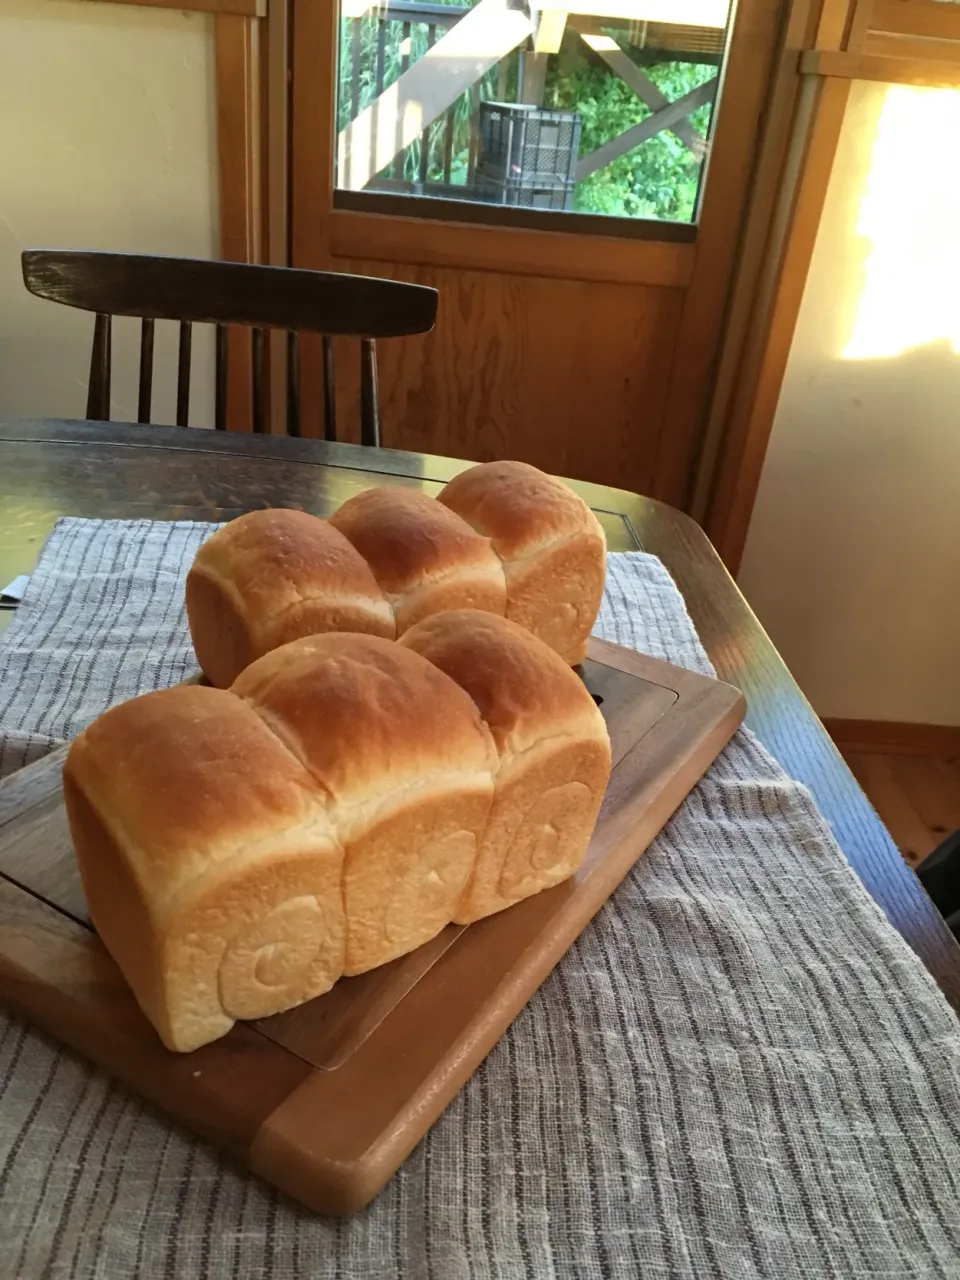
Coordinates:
(739, 1070)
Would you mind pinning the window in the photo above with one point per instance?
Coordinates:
(600, 107)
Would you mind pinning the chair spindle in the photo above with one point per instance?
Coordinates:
(293, 383)
(329, 392)
(259, 380)
(145, 396)
(369, 394)
(220, 377)
(183, 374)
(98, 389)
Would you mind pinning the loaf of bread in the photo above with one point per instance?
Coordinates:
(553, 749)
(242, 849)
(550, 543)
(211, 868)
(273, 576)
(425, 558)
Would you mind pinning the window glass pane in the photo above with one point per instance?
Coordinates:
(601, 107)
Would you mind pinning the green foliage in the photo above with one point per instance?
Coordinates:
(658, 179)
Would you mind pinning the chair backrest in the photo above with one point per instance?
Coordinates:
(231, 293)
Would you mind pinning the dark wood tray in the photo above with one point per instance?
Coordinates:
(328, 1099)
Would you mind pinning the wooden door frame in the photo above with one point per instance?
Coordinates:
(252, 56)
(827, 45)
(698, 259)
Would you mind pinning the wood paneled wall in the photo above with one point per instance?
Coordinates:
(542, 352)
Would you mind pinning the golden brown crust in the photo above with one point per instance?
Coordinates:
(545, 808)
(211, 871)
(518, 507)
(424, 557)
(554, 754)
(184, 775)
(407, 763)
(366, 716)
(551, 544)
(404, 877)
(218, 627)
(272, 576)
(524, 690)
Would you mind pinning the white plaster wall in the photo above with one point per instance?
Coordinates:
(853, 555)
(107, 141)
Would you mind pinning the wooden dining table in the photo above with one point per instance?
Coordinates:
(53, 468)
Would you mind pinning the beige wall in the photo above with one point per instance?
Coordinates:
(853, 555)
(107, 141)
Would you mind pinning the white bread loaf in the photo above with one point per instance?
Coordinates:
(407, 766)
(211, 869)
(553, 748)
(550, 543)
(425, 558)
(273, 576)
(242, 849)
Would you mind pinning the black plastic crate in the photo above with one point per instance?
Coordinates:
(526, 144)
(532, 193)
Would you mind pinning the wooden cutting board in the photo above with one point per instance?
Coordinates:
(328, 1099)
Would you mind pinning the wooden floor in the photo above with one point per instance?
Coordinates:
(918, 797)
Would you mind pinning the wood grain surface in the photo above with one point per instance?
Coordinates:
(331, 1137)
(500, 342)
(54, 468)
(917, 796)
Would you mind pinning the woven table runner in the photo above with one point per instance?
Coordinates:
(739, 1070)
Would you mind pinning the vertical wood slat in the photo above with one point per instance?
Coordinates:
(381, 52)
(405, 49)
(399, 165)
(293, 383)
(222, 364)
(329, 392)
(379, 74)
(259, 381)
(239, 126)
(474, 143)
(145, 394)
(355, 69)
(98, 388)
(369, 394)
(449, 124)
(425, 136)
(183, 374)
(396, 166)
(275, 154)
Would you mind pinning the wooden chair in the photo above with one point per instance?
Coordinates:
(231, 293)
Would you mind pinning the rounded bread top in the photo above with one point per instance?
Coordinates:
(279, 558)
(520, 508)
(189, 776)
(524, 691)
(367, 717)
(407, 537)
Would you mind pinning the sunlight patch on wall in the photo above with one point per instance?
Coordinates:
(910, 213)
